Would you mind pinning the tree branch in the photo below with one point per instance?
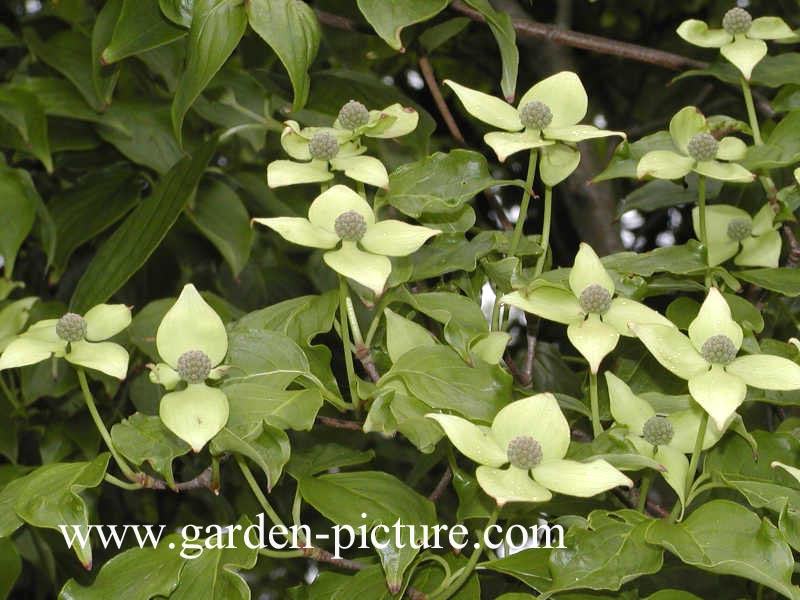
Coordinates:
(340, 423)
(593, 43)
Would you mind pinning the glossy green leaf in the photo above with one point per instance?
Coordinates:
(320, 458)
(177, 11)
(220, 215)
(217, 26)
(291, 29)
(137, 238)
(389, 20)
(506, 38)
(140, 26)
(144, 439)
(753, 549)
(269, 449)
(18, 203)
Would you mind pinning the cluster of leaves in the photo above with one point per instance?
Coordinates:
(392, 357)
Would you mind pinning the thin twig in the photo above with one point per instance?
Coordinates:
(793, 258)
(364, 356)
(593, 43)
(339, 22)
(340, 423)
(440, 488)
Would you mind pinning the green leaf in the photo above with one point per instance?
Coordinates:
(783, 280)
(104, 78)
(681, 260)
(772, 71)
(8, 39)
(440, 183)
(177, 11)
(141, 26)
(69, 53)
(753, 549)
(156, 571)
(25, 113)
(320, 458)
(343, 497)
(18, 203)
(506, 38)
(10, 566)
(291, 29)
(140, 129)
(90, 207)
(627, 155)
(217, 26)
(404, 335)
(440, 34)
(130, 246)
(143, 438)
(531, 567)
(220, 215)
(255, 401)
(437, 376)
(782, 147)
(388, 20)
(49, 497)
(269, 450)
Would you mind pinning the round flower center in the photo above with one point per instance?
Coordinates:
(719, 349)
(536, 115)
(658, 431)
(740, 229)
(323, 146)
(71, 327)
(702, 146)
(194, 366)
(595, 299)
(353, 115)
(524, 452)
(737, 20)
(350, 226)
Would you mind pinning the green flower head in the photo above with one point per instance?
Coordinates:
(741, 39)
(697, 150)
(594, 317)
(641, 421)
(547, 117)
(77, 338)
(708, 360)
(341, 216)
(320, 150)
(730, 228)
(530, 436)
(192, 342)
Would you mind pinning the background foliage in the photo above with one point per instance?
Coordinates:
(135, 136)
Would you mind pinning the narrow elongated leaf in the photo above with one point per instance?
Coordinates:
(130, 246)
(220, 215)
(141, 26)
(18, 204)
(217, 27)
(104, 77)
(506, 37)
(292, 31)
(389, 18)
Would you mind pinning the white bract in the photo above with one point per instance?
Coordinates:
(594, 317)
(718, 379)
(547, 117)
(696, 150)
(341, 216)
(741, 40)
(78, 339)
(729, 228)
(521, 456)
(192, 342)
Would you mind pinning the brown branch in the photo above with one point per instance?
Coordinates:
(437, 492)
(364, 356)
(793, 258)
(203, 480)
(338, 22)
(340, 423)
(593, 43)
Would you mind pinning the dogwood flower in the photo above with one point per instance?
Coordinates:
(697, 150)
(730, 228)
(341, 216)
(531, 436)
(546, 117)
(192, 341)
(594, 317)
(665, 438)
(339, 147)
(707, 359)
(741, 38)
(76, 338)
